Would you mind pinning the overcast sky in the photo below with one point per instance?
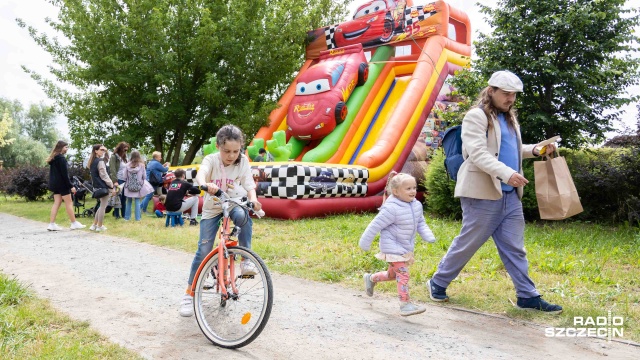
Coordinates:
(17, 48)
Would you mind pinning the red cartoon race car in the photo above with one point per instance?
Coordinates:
(375, 22)
(323, 90)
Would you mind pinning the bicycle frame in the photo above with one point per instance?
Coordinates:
(223, 277)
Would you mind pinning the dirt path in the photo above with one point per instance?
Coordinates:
(130, 291)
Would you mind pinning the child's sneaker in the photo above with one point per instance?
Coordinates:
(193, 222)
(76, 225)
(437, 292)
(93, 227)
(407, 308)
(248, 268)
(536, 303)
(368, 284)
(186, 306)
(101, 228)
(54, 227)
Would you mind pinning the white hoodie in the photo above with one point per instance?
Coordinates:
(238, 175)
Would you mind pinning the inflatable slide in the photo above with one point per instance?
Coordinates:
(358, 106)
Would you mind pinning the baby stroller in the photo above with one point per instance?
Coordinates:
(79, 197)
(88, 189)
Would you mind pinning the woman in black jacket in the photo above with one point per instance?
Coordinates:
(61, 187)
(101, 180)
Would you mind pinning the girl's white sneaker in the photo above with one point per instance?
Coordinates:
(101, 228)
(93, 227)
(54, 227)
(76, 225)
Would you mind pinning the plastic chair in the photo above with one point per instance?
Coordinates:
(174, 218)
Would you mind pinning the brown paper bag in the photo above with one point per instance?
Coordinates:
(555, 191)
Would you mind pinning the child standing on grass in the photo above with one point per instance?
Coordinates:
(400, 218)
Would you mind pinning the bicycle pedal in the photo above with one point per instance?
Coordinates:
(246, 276)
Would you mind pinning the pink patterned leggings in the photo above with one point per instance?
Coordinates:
(399, 272)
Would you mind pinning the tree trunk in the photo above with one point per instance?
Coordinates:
(196, 144)
(179, 139)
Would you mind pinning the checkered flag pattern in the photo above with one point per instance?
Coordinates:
(294, 181)
(418, 15)
(329, 34)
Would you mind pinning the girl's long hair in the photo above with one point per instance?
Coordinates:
(93, 154)
(135, 159)
(485, 102)
(120, 150)
(57, 150)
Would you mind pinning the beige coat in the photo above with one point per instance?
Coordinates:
(481, 173)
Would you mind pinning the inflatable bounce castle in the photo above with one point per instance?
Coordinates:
(359, 108)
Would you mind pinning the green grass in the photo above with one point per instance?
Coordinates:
(30, 328)
(589, 269)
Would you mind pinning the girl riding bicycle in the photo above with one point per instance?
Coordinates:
(225, 171)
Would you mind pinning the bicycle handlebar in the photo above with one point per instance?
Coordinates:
(224, 197)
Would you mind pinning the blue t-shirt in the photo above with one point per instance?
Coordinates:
(508, 148)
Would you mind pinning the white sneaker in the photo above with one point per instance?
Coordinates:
(93, 227)
(101, 228)
(54, 227)
(186, 306)
(76, 225)
(248, 268)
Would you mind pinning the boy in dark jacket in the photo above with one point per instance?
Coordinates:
(175, 201)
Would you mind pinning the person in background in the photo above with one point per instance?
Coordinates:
(135, 175)
(490, 187)
(262, 156)
(159, 209)
(60, 186)
(155, 171)
(400, 218)
(100, 179)
(175, 201)
(117, 163)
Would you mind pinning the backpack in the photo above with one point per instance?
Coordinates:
(133, 184)
(155, 178)
(452, 146)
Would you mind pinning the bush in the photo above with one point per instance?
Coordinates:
(29, 182)
(607, 180)
(440, 189)
(608, 183)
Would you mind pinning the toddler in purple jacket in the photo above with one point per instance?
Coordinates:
(400, 218)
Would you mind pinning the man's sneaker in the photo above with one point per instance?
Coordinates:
(193, 222)
(93, 227)
(76, 225)
(368, 284)
(186, 306)
(437, 292)
(536, 303)
(101, 228)
(248, 268)
(54, 227)
(407, 308)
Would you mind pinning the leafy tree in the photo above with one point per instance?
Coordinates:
(5, 127)
(25, 147)
(171, 72)
(574, 58)
(39, 124)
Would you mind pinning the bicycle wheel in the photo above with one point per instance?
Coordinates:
(238, 320)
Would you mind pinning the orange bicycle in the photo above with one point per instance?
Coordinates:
(231, 309)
